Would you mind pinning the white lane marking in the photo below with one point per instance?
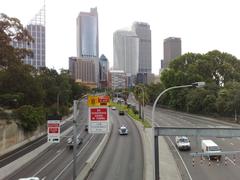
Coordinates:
(72, 160)
(48, 163)
(232, 162)
(181, 159)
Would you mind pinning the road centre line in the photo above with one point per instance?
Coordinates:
(48, 163)
(180, 158)
(72, 160)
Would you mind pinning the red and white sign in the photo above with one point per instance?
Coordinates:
(104, 99)
(99, 114)
(98, 119)
(54, 131)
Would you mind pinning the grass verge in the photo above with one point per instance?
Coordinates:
(130, 112)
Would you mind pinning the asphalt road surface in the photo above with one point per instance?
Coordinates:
(205, 169)
(55, 163)
(123, 156)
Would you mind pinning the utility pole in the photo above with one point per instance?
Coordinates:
(75, 102)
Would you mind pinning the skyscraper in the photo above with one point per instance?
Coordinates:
(87, 34)
(143, 32)
(87, 39)
(125, 52)
(103, 71)
(37, 30)
(172, 49)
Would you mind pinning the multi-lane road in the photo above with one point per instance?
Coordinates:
(123, 156)
(55, 162)
(205, 169)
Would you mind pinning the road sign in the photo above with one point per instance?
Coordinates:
(98, 101)
(53, 131)
(98, 120)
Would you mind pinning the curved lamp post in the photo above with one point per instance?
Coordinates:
(156, 150)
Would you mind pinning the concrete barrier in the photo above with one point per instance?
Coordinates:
(89, 164)
(18, 163)
(147, 150)
(169, 169)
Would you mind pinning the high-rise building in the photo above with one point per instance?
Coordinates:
(87, 38)
(172, 49)
(36, 29)
(143, 32)
(103, 71)
(117, 79)
(126, 52)
(87, 34)
(83, 71)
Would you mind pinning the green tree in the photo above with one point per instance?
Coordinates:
(12, 30)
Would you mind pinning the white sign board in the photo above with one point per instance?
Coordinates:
(98, 119)
(53, 131)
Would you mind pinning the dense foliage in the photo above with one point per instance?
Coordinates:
(32, 92)
(220, 71)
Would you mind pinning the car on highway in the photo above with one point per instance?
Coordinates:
(70, 143)
(211, 149)
(123, 130)
(86, 127)
(113, 108)
(182, 143)
(121, 112)
(29, 178)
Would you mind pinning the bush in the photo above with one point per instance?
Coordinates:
(11, 100)
(30, 117)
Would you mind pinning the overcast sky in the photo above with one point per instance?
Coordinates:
(203, 25)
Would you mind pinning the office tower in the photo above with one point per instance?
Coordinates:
(36, 29)
(83, 71)
(103, 71)
(87, 34)
(87, 38)
(143, 32)
(117, 79)
(172, 49)
(125, 52)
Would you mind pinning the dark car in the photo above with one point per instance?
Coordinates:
(121, 112)
(86, 127)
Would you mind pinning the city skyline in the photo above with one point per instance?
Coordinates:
(201, 25)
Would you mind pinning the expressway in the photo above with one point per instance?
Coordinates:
(205, 169)
(21, 151)
(56, 161)
(123, 156)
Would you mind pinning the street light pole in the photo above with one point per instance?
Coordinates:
(155, 143)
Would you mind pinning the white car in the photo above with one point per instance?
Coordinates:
(182, 143)
(113, 108)
(29, 178)
(123, 130)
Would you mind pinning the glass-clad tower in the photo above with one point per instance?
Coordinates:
(87, 34)
(37, 30)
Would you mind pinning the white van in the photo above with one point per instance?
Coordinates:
(211, 149)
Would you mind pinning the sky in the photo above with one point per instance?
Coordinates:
(202, 25)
